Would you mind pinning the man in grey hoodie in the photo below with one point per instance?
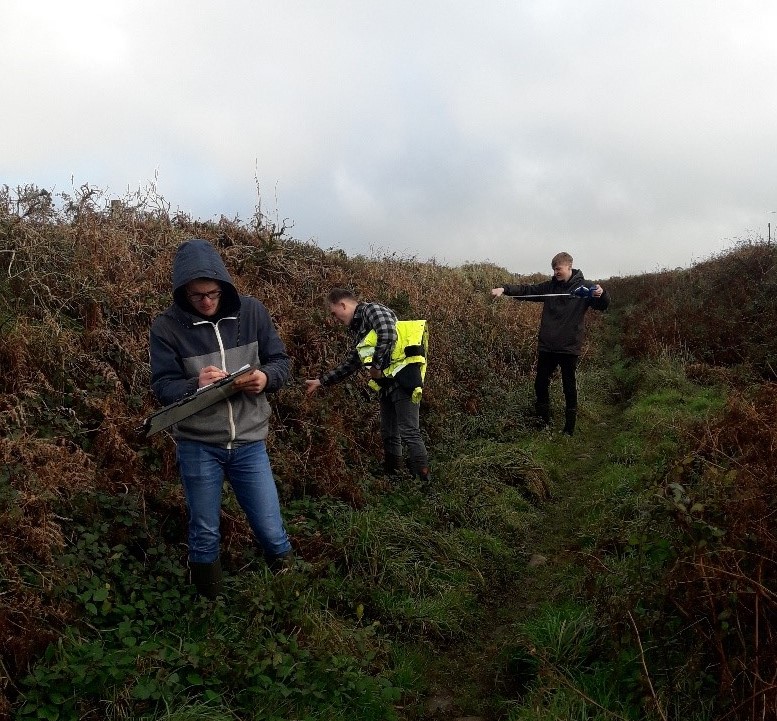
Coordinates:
(209, 331)
(561, 330)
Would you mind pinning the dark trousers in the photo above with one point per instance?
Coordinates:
(547, 362)
(399, 423)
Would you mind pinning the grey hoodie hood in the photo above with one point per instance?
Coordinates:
(197, 258)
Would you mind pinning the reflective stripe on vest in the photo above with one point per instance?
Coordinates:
(411, 347)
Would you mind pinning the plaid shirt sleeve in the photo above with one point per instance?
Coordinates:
(382, 320)
(348, 366)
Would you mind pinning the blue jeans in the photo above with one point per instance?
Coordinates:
(202, 467)
(399, 423)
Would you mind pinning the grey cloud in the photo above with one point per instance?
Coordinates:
(635, 135)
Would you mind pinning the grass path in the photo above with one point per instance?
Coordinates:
(470, 678)
(601, 482)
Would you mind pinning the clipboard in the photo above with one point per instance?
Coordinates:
(189, 405)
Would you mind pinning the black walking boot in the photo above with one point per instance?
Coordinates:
(571, 418)
(543, 412)
(206, 578)
(281, 564)
(392, 465)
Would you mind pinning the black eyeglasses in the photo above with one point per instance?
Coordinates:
(199, 297)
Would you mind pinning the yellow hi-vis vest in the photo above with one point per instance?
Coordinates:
(411, 347)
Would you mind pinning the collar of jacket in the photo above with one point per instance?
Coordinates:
(356, 321)
(576, 276)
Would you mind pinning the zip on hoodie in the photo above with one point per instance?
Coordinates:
(222, 353)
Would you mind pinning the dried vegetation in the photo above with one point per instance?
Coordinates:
(719, 318)
(82, 277)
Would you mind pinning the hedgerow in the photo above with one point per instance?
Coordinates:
(82, 278)
(711, 610)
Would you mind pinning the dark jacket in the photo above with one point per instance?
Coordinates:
(183, 342)
(561, 326)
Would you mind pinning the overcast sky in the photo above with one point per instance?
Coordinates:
(637, 135)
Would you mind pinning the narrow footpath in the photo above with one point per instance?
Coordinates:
(473, 673)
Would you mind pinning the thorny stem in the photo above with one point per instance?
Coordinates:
(644, 666)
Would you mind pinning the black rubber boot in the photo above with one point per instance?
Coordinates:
(425, 476)
(543, 412)
(282, 563)
(571, 419)
(392, 465)
(206, 578)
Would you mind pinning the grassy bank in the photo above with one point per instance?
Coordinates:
(518, 587)
(573, 634)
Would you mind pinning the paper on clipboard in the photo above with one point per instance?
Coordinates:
(189, 405)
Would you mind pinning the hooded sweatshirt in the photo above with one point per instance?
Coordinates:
(561, 325)
(183, 342)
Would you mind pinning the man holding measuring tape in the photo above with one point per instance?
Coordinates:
(565, 297)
